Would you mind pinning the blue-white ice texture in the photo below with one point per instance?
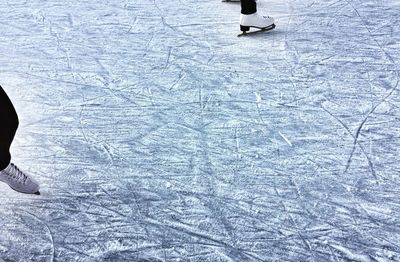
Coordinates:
(158, 135)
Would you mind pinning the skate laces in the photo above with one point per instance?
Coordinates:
(15, 174)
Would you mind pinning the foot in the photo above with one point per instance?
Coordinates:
(255, 20)
(18, 180)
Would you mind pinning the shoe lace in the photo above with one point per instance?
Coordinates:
(15, 174)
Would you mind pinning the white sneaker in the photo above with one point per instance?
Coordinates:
(19, 181)
(255, 20)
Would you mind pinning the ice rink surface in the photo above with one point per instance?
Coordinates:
(158, 135)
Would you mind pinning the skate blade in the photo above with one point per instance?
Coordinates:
(36, 193)
(269, 28)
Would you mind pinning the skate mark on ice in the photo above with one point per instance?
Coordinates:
(215, 242)
(296, 226)
(370, 164)
(358, 131)
(52, 255)
(285, 138)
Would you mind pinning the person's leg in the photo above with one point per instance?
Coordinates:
(250, 18)
(8, 127)
(10, 173)
(248, 7)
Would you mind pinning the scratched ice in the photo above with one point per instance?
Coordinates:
(158, 135)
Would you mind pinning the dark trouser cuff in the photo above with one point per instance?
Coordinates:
(4, 161)
(8, 127)
(248, 7)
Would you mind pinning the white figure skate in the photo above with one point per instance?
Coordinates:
(18, 180)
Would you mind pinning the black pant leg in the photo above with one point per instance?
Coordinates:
(8, 127)
(248, 7)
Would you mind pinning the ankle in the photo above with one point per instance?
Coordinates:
(249, 14)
